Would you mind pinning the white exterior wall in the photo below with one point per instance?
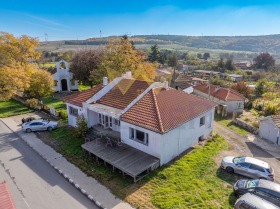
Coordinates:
(169, 145)
(92, 118)
(188, 90)
(268, 130)
(232, 106)
(153, 148)
(71, 118)
(183, 137)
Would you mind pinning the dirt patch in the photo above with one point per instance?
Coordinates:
(47, 139)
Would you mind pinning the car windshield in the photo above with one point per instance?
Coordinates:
(269, 170)
(238, 160)
(252, 183)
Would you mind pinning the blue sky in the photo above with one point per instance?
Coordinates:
(82, 19)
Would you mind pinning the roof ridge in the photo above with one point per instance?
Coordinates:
(228, 92)
(157, 111)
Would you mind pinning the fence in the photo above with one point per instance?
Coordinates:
(245, 125)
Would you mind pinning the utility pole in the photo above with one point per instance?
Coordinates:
(209, 85)
(46, 37)
(100, 32)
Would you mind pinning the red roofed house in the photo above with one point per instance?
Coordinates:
(233, 100)
(151, 117)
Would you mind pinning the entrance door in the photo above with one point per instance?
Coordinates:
(64, 85)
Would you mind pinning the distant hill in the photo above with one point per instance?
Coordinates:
(256, 44)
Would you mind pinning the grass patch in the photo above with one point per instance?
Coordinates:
(47, 64)
(193, 181)
(83, 87)
(11, 108)
(56, 103)
(227, 122)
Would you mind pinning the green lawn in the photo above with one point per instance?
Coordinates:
(193, 181)
(47, 64)
(59, 105)
(227, 122)
(83, 87)
(11, 108)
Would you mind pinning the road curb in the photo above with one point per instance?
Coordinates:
(71, 181)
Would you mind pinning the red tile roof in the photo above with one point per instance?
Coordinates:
(6, 201)
(162, 110)
(222, 94)
(124, 93)
(82, 96)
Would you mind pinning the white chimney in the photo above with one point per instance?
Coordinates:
(165, 85)
(217, 88)
(105, 81)
(129, 74)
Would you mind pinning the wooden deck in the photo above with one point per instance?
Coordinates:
(127, 159)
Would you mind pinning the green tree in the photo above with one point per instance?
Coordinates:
(229, 65)
(199, 56)
(154, 55)
(264, 61)
(206, 56)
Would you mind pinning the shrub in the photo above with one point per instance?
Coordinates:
(270, 109)
(248, 105)
(81, 130)
(256, 124)
(33, 103)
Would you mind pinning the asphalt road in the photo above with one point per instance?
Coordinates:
(33, 183)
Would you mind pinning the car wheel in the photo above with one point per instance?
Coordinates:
(28, 130)
(229, 170)
(262, 178)
(49, 128)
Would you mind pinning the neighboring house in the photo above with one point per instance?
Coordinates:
(270, 128)
(228, 98)
(63, 78)
(234, 77)
(243, 65)
(151, 117)
(185, 87)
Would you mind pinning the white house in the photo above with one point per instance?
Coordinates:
(64, 78)
(151, 117)
(228, 98)
(270, 128)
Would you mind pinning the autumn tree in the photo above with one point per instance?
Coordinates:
(41, 84)
(16, 57)
(120, 57)
(264, 61)
(16, 52)
(242, 88)
(84, 63)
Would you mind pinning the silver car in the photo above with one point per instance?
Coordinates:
(251, 201)
(248, 166)
(39, 125)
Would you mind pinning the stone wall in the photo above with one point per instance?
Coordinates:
(246, 126)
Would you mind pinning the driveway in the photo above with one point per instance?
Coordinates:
(243, 147)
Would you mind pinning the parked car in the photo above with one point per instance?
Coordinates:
(39, 125)
(266, 189)
(251, 201)
(248, 166)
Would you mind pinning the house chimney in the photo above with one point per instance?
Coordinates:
(217, 88)
(165, 85)
(105, 81)
(129, 74)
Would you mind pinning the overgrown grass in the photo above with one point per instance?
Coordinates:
(227, 122)
(193, 181)
(11, 108)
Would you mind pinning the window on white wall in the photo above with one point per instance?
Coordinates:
(202, 121)
(73, 111)
(116, 122)
(139, 136)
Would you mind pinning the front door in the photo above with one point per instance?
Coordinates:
(64, 85)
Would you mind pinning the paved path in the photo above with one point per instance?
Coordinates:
(88, 185)
(32, 182)
(246, 147)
